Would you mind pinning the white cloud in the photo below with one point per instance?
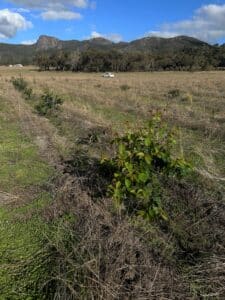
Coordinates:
(21, 10)
(95, 35)
(44, 4)
(114, 37)
(60, 15)
(28, 42)
(56, 9)
(163, 34)
(11, 23)
(207, 23)
(79, 3)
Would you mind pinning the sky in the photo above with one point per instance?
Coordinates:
(23, 21)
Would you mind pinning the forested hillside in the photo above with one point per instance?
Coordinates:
(99, 54)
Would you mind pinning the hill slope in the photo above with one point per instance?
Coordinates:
(12, 54)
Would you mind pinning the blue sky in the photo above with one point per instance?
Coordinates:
(23, 21)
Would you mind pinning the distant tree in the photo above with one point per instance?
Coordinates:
(101, 60)
(74, 59)
(42, 60)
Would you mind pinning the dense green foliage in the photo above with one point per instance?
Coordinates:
(143, 159)
(97, 60)
(98, 55)
(19, 83)
(22, 85)
(49, 103)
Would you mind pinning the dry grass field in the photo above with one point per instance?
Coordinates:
(193, 102)
(94, 109)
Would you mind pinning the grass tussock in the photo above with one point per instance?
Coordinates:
(102, 255)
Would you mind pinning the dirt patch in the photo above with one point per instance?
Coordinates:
(6, 198)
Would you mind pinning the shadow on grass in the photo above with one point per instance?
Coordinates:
(93, 176)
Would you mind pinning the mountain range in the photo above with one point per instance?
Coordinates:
(10, 54)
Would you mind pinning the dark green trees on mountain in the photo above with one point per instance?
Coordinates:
(94, 60)
(99, 55)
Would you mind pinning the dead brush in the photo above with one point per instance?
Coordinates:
(93, 177)
(97, 254)
(199, 213)
(208, 278)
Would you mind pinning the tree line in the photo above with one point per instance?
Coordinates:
(93, 60)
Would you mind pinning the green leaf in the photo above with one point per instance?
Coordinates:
(118, 184)
(140, 154)
(163, 215)
(143, 177)
(121, 149)
(142, 213)
(147, 142)
(129, 167)
(140, 192)
(148, 159)
(127, 183)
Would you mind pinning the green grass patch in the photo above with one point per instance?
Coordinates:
(21, 166)
(20, 240)
(22, 228)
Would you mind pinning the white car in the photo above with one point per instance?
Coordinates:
(108, 75)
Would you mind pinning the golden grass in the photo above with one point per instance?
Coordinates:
(92, 100)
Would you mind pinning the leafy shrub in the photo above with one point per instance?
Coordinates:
(28, 92)
(174, 93)
(124, 87)
(49, 103)
(22, 85)
(142, 160)
(19, 83)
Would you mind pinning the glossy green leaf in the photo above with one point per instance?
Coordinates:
(143, 177)
(127, 183)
